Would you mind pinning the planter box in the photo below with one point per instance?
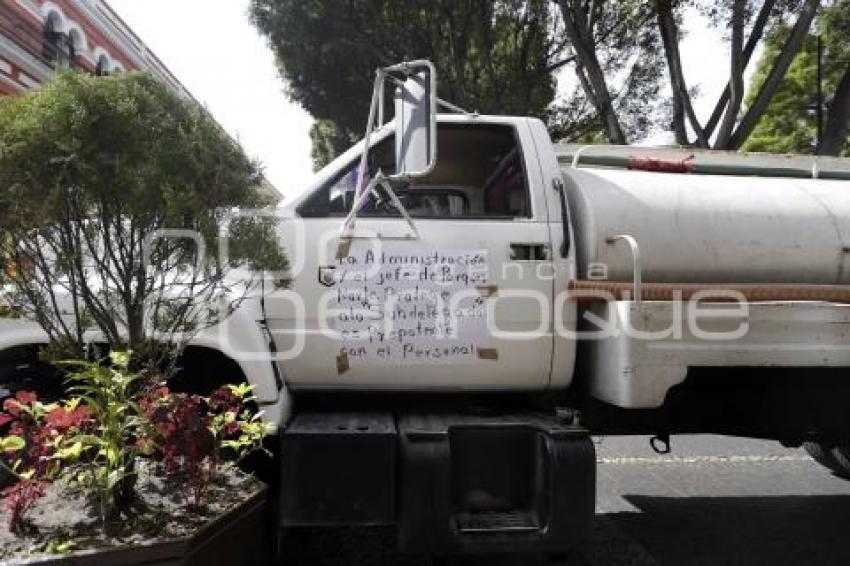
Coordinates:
(239, 537)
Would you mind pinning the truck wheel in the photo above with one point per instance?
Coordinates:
(835, 458)
(842, 457)
(21, 370)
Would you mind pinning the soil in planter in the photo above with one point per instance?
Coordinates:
(64, 519)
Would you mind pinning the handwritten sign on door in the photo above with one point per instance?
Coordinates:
(405, 303)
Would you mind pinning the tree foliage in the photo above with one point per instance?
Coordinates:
(493, 56)
(728, 127)
(619, 70)
(640, 41)
(92, 170)
(328, 140)
(503, 56)
(790, 122)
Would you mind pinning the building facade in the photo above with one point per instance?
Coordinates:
(37, 37)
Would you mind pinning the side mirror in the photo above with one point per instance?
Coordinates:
(415, 134)
(416, 122)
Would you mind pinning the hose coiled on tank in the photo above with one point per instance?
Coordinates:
(590, 291)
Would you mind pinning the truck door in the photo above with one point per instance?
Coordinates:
(462, 301)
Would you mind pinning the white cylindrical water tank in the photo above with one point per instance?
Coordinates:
(710, 229)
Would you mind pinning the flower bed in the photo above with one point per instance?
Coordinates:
(161, 529)
(124, 463)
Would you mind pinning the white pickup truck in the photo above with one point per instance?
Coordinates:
(470, 301)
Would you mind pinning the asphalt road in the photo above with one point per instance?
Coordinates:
(712, 501)
(716, 500)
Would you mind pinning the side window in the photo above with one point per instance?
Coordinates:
(506, 192)
(336, 197)
(480, 174)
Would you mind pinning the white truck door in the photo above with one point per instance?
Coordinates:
(464, 304)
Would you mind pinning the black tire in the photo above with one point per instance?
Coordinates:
(841, 454)
(21, 370)
(833, 457)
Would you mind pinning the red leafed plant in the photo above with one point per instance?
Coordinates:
(35, 435)
(20, 498)
(27, 444)
(188, 432)
(62, 418)
(180, 435)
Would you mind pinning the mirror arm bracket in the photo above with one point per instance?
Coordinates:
(407, 69)
(345, 231)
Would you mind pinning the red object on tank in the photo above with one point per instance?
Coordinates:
(661, 166)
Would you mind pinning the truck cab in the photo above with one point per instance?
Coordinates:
(488, 237)
(413, 335)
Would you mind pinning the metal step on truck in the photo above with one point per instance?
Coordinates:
(470, 302)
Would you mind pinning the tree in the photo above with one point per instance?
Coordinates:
(835, 135)
(493, 56)
(734, 129)
(607, 37)
(617, 62)
(93, 170)
(328, 141)
(789, 123)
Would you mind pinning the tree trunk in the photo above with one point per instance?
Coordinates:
(736, 74)
(135, 325)
(752, 42)
(774, 78)
(678, 125)
(835, 133)
(595, 86)
(670, 38)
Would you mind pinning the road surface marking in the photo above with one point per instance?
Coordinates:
(700, 459)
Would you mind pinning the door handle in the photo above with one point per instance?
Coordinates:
(529, 252)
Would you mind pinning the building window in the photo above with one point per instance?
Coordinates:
(76, 44)
(56, 48)
(102, 68)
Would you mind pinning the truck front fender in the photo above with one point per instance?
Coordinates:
(240, 337)
(20, 332)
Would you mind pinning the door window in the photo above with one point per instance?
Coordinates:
(479, 174)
